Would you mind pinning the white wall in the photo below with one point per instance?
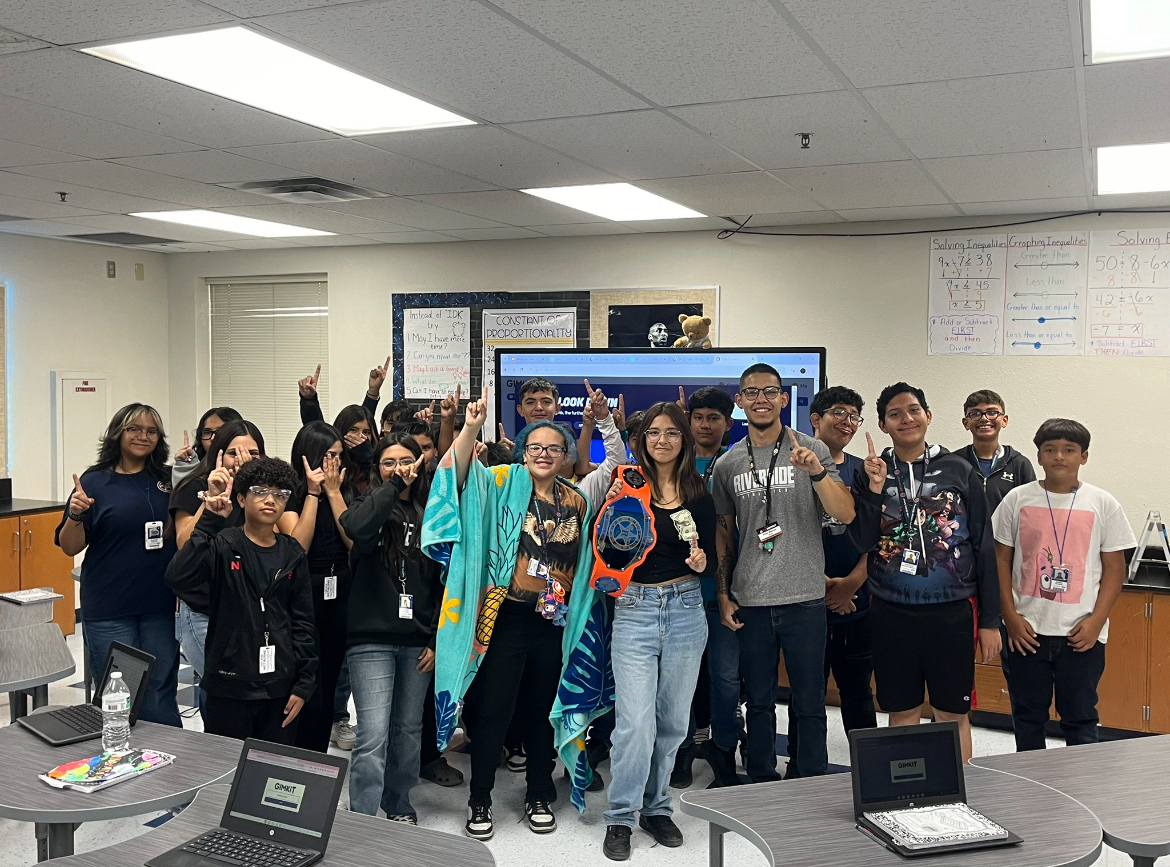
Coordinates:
(65, 314)
(865, 299)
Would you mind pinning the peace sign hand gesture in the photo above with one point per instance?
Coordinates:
(308, 386)
(410, 473)
(80, 502)
(186, 453)
(597, 401)
(875, 467)
(802, 457)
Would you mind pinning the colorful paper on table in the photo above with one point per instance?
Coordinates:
(98, 772)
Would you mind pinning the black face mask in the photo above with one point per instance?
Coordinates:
(363, 454)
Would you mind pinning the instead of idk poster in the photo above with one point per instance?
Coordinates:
(545, 328)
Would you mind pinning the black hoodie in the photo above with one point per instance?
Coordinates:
(1010, 470)
(217, 571)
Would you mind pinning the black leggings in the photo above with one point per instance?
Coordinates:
(316, 720)
(519, 675)
(242, 718)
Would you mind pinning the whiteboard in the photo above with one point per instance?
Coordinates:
(1044, 305)
(1129, 293)
(967, 274)
(436, 351)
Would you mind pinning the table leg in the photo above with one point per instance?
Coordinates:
(1143, 860)
(716, 845)
(54, 840)
(40, 695)
(17, 705)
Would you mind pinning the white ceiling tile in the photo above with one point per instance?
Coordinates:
(352, 162)
(210, 167)
(697, 224)
(42, 227)
(877, 42)
(511, 207)
(634, 145)
(87, 199)
(408, 212)
(914, 212)
(1001, 177)
(1126, 102)
(410, 237)
(34, 209)
(1029, 111)
(181, 247)
(577, 229)
(155, 228)
(1029, 206)
(67, 21)
(315, 218)
(491, 154)
(1133, 200)
(100, 175)
(256, 8)
(259, 243)
(872, 185)
(11, 42)
(17, 154)
(503, 234)
(737, 193)
(459, 54)
(336, 241)
(800, 218)
(47, 127)
(682, 52)
(765, 130)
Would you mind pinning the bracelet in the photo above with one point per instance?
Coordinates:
(311, 494)
(819, 475)
(77, 518)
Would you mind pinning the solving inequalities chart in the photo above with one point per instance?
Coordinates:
(1051, 293)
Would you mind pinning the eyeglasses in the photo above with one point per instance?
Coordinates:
(976, 414)
(137, 431)
(839, 414)
(207, 433)
(393, 465)
(751, 392)
(535, 450)
(260, 492)
(672, 435)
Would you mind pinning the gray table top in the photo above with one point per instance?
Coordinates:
(1122, 782)
(356, 841)
(33, 655)
(809, 823)
(200, 759)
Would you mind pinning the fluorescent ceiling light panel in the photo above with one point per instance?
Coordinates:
(1129, 29)
(1133, 169)
(242, 65)
(231, 223)
(622, 202)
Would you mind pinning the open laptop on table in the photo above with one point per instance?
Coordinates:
(82, 722)
(279, 812)
(909, 794)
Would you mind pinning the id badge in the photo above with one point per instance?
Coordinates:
(154, 535)
(1060, 579)
(537, 569)
(769, 533)
(268, 659)
(330, 587)
(910, 562)
(406, 606)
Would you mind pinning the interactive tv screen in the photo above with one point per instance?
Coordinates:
(647, 376)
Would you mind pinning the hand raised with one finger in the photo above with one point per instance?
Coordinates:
(875, 467)
(308, 386)
(802, 457)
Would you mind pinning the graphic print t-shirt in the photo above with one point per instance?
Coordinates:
(1096, 524)
(563, 531)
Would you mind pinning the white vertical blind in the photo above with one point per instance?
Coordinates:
(265, 337)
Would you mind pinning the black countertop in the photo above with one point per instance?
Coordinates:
(11, 508)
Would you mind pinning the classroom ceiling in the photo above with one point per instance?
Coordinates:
(918, 109)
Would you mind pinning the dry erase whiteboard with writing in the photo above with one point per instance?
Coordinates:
(436, 351)
(1129, 293)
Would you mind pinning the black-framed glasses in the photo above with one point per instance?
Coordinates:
(751, 392)
(535, 450)
(845, 415)
(262, 492)
(207, 433)
(976, 414)
(149, 432)
(390, 464)
(672, 435)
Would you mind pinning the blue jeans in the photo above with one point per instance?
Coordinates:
(659, 633)
(192, 634)
(388, 692)
(723, 664)
(799, 630)
(154, 635)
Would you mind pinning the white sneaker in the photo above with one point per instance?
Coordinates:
(404, 819)
(540, 818)
(342, 735)
(479, 822)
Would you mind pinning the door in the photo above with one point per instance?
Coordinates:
(1160, 664)
(43, 564)
(9, 554)
(1121, 697)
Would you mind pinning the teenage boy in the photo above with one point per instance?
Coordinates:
(1060, 544)
(261, 663)
(772, 488)
(1001, 467)
(836, 416)
(922, 517)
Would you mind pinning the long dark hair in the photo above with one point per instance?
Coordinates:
(394, 549)
(687, 480)
(223, 438)
(347, 418)
(110, 445)
(312, 443)
(225, 413)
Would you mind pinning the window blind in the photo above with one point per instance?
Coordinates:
(265, 337)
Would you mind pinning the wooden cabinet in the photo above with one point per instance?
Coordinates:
(28, 558)
(1159, 702)
(9, 554)
(1121, 695)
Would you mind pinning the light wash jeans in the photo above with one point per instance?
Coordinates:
(388, 693)
(191, 630)
(659, 633)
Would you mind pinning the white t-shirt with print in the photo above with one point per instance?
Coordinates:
(1096, 525)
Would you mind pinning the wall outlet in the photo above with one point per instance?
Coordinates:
(111, 269)
(139, 271)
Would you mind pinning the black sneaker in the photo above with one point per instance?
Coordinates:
(617, 843)
(516, 760)
(595, 785)
(540, 818)
(598, 752)
(479, 821)
(662, 829)
(722, 764)
(682, 777)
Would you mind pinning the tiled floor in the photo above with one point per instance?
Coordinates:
(577, 841)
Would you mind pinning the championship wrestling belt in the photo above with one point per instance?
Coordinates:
(624, 533)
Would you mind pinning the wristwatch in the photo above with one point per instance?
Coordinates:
(624, 532)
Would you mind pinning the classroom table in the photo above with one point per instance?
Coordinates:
(32, 657)
(1123, 783)
(200, 760)
(809, 823)
(356, 841)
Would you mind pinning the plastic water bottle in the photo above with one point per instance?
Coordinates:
(116, 714)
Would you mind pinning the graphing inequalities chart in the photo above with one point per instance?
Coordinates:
(1051, 293)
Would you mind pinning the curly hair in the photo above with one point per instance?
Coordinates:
(269, 472)
(522, 440)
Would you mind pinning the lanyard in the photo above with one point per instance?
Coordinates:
(1064, 537)
(910, 516)
(766, 484)
(711, 468)
(541, 530)
(402, 575)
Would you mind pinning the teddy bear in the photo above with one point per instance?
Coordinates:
(696, 329)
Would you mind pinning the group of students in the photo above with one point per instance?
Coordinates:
(445, 581)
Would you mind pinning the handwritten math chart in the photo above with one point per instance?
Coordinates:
(1051, 293)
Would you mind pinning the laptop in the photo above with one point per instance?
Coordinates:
(278, 814)
(909, 794)
(83, 722)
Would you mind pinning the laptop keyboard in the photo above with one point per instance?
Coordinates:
(241, 850)
(81, 718)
